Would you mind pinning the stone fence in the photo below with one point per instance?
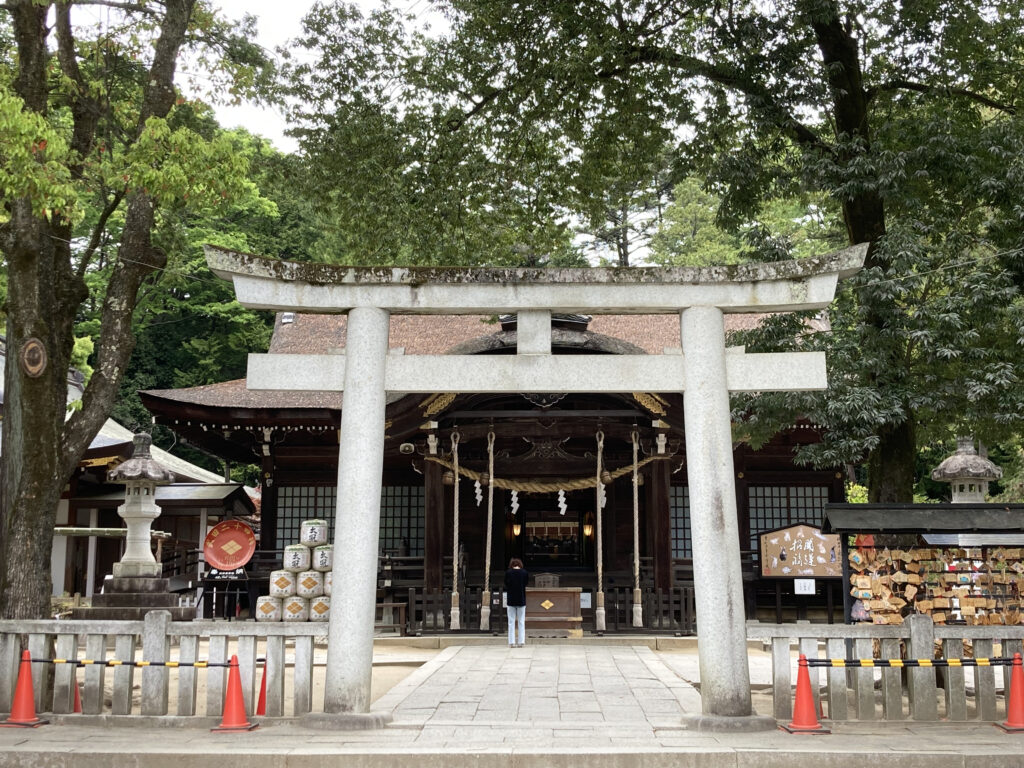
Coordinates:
(109, 690)
(955, 693)
(878, 693)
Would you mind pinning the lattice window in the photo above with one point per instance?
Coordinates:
(679, 505)
(296, 503)
(401, 519)
(401, 514)
(776, 506)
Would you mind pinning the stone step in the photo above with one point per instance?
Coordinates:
(136, 584)
(135, 599)
(178, 613)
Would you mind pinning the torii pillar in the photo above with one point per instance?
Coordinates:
(705, 373)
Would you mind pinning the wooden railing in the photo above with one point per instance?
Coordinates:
(672, 610)
(665, 610)
(291, 654)
(851, 694)
(158, 639)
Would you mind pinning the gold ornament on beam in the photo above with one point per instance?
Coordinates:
(437, 403)
(652, 402)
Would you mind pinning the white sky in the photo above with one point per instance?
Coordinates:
(277, 23)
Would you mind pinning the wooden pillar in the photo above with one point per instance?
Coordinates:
(433, 526)
(743, 525)
(268, 506)
(659, 523)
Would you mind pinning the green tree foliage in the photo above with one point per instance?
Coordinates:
(100, 161)
(399, 175)
(690, 235)
(903, 117)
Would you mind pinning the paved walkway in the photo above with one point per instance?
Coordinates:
(539, 706)
(487, 689)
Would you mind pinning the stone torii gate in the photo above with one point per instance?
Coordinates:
(705, 373)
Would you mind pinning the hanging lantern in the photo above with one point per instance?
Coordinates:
(588, 525)
(516, 529)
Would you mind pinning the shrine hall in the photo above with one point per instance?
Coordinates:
(545, 458)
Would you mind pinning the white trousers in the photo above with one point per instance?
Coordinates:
(516, 618)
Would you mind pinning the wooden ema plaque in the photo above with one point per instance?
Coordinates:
(800, 552)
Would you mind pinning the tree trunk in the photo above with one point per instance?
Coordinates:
(891, 466)
(41, 448)
(39, 341)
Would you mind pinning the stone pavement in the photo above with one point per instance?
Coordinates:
(543, 705)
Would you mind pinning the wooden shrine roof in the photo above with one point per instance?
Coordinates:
(417, 335)
(922, 518)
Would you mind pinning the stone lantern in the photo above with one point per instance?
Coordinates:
(968, 473)
(141, 475)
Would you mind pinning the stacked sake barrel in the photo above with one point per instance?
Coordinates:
(301, 590)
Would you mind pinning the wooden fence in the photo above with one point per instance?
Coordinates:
(669, 611)
(291, 653)
(109, 690)
(924, 693)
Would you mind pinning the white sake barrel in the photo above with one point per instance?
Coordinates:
(320, 609)
(328, 579)
(282, 584)
(323, 557)
(268, 608)
(313, 532)
(295, 609)
(309, 584)
(296, 558)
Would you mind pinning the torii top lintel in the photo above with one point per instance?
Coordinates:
(263, 283)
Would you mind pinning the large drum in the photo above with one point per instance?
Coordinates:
(295, 609)
(268, 609)
(309, 584)
(282, 584)
(323, 557)
(313, 532)
(296, 558)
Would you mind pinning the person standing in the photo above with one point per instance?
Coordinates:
(516, 579)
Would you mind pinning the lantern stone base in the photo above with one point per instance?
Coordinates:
(131, 598)
(132, 570)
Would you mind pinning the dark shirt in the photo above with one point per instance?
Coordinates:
(515, 586)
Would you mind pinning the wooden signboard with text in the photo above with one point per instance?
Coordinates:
(800, 552)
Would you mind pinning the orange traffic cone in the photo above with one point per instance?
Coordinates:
(77, 709)
(805, 720)
(234, 704)
(23, 708)
(1015, 705)
(261, 704)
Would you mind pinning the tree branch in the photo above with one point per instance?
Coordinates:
(97, 231)
(137, 257)
(84, 109)
(690, 65)
(910, 85)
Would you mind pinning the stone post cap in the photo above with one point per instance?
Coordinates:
(141, 467)
(966, 464)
